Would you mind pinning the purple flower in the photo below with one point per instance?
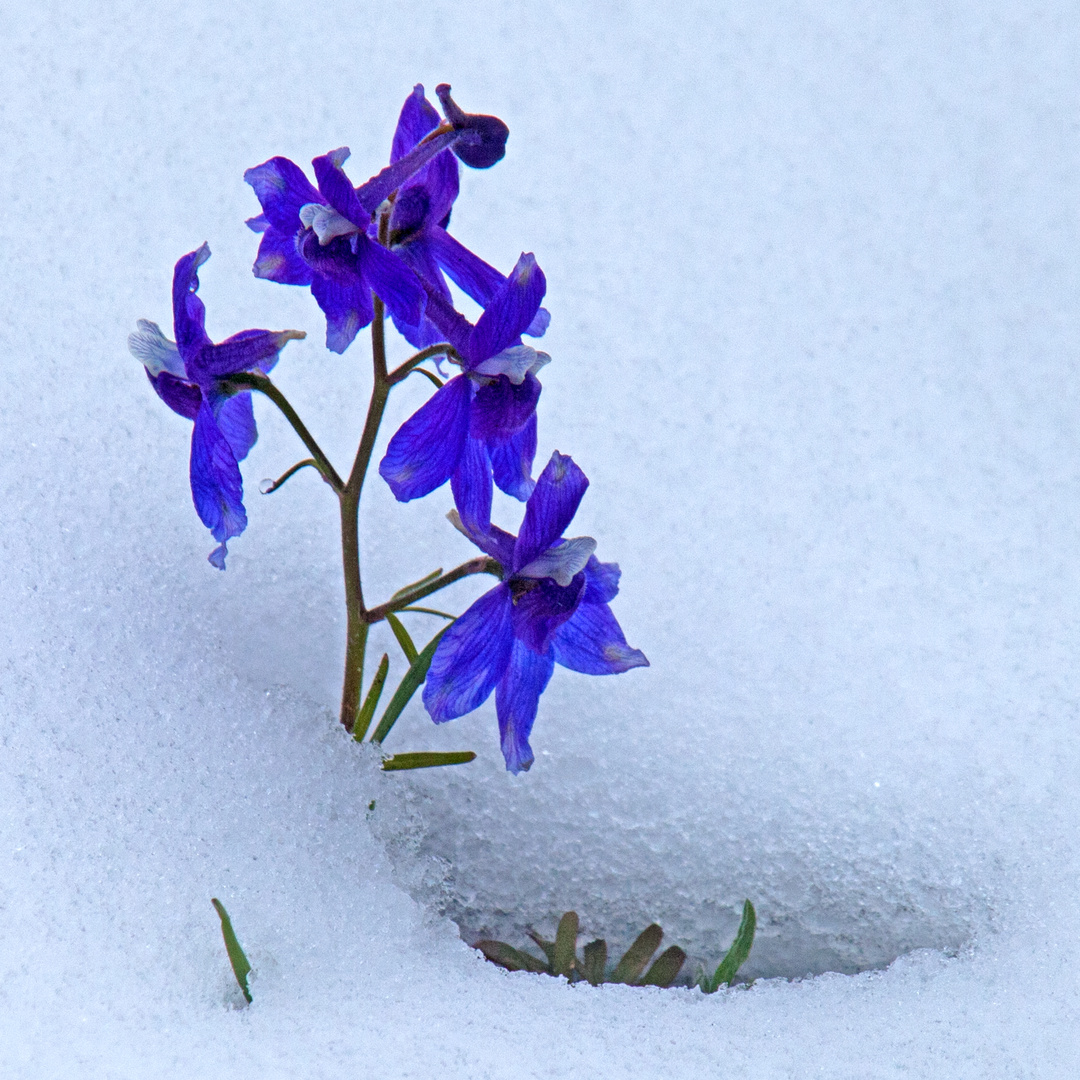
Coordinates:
(317, 237)
(551, 607)
(418, 222)
(187, 376)
(320, 237)
(482, 423)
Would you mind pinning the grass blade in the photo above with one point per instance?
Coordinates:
(739, 951)
(430, 611)
(416, 584)
(665, 968)
(403, 639)
(498, 952)
(564, 958)
(630, 967)
(547, 947)
(422, 760)
(595, 961)
(371, 702)
(416, 674)
(241, 967)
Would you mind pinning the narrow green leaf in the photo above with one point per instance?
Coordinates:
(498, 952)
(371, 702)
(416, 674)
(429, 611)
(595, 961)
(403, 639)
(422, 760)
(416, 584)
(548, 947)
(739, 951)
(665, 968)
(564, 959)
(630, 967)
(241, 967)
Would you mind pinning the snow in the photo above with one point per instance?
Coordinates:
(813, 274)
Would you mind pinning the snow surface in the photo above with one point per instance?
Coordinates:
(813, 274)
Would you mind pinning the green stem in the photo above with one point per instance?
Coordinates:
(479, 565)
(442, 349)
(253, 380)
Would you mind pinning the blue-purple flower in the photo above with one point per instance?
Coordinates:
(187, 376)
(551, 607)
(481, 424)
(418, 223)
(322, 236)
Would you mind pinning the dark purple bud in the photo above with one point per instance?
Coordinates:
(481, 140)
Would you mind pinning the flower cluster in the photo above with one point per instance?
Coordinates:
(384, 245)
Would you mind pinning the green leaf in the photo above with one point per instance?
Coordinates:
(416, 674)
(595, 961)
(371, 702)
(665, 967)
(403, 639)
(630, 967)
(241, 967)
(498, 952)
(416, 584)
(429, 611)
(564, 959)
(548, 947)
(426, 761)
(737, 954)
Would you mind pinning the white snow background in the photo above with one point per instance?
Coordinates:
(813, 273)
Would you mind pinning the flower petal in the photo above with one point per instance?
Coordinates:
(511, 310)
(236, 421)
(418, 116)
(493, 541)
(515, 363)
(347, 307)
(601, 581)
(216, 487)
(281, 188)
(426, 449)
(562, 562)
(336, 188)
(471, 657)
(155, 351)
(512, 461)
(516, 700)
(395, 284)
(181, 396)
(417, 257)
(551, 507)
(500, 409)
(472, 487)
(325, 222)
(372, 193)
(541, 607)
(189, 315)
(592, 642)
(278, 260)
(250, 350)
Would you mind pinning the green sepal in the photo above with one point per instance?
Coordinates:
(416, 584)
(564, 958)
(630, 967)
(737, 954)
(371, 702)
(416, 674)
(595, 961)
(403, 639)
(665, 968)
(241, 967)
(498, 952)
(423, 760)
